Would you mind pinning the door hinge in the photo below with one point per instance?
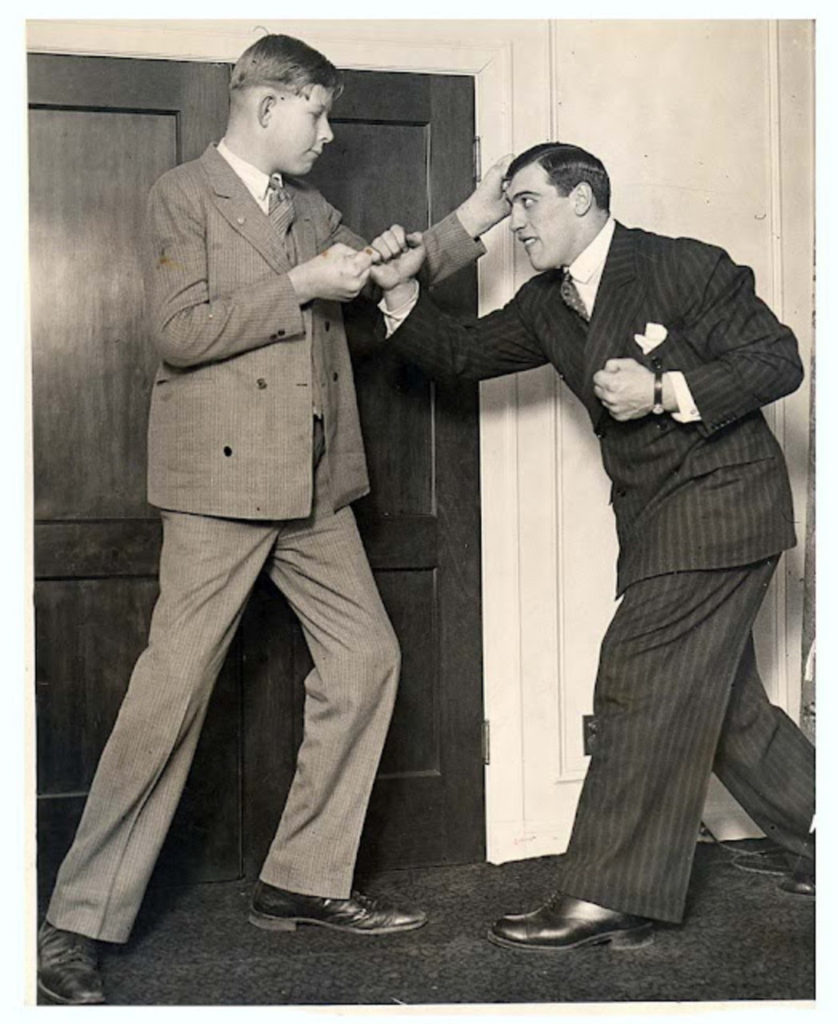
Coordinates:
(477, 166)
(485, 743)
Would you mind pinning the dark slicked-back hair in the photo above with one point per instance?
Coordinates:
(285, 61)
(566, 166)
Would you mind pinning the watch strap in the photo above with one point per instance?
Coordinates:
(657, 396)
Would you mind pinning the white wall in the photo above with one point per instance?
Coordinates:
(706, 128)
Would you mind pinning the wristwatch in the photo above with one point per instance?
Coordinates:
(657, 397)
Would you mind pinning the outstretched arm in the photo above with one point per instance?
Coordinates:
(472, 348)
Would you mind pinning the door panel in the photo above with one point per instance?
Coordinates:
(421, 440)
(402, 153)
(84, 250)
(413, 743)
(101, 131)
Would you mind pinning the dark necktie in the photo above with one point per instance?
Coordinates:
(571, 297)
(280, 210)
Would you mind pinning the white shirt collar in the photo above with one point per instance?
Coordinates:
(591, 260)
(257, 182)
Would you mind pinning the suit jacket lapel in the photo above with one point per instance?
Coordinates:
(616, 312)
(241, 211)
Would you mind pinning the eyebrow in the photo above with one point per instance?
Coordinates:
(524, 192)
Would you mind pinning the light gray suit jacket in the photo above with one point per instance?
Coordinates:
(230, 428)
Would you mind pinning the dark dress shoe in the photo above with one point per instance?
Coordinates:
(801, 880)
(68, 969)
(797, 871)
(568, 923)
(281, 911)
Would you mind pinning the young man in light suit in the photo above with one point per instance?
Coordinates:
(673, 355)
(255, 454)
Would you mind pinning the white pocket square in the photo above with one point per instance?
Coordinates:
(651, 338)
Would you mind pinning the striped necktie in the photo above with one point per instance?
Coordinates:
(571, 297)
(280, 207)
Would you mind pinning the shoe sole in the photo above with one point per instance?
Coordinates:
(67, 1002)
(289, 924)
(634, 938)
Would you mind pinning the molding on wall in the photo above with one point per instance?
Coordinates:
(777, 417)
(361, 45)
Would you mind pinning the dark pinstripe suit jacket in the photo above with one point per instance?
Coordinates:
(704, 495)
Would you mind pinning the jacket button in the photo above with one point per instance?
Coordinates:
(335, 375)
(261, 383)
(228, 451)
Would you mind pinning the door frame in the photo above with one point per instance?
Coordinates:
(430, 47)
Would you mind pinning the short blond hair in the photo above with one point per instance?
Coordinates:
(289, 62)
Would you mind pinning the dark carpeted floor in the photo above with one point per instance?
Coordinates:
(743, 939)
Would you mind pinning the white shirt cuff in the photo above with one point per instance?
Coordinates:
(687, 409)
(394, 317)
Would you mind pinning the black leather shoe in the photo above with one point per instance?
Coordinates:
(68, 969)
(801, 880)
(568, 923)
(281, 911)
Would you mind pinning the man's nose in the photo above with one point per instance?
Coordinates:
(516, 218)
(326, 133)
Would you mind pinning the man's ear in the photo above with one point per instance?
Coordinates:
(583, 198)
(264, 109)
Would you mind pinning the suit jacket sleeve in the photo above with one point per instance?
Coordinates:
(474, 348)
(187, 327)
(749, 358)
(448, 246)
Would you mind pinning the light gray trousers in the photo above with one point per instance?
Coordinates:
(207, 569)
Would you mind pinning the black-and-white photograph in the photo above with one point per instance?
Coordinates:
(422, 512)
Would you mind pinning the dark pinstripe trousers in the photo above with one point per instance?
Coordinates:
(207, 569)
(678, 696)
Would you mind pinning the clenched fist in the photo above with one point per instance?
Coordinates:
(626, 388)
(338, 274)
(402, 265)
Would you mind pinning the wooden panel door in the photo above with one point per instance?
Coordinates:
(101, 130)
(402, 153)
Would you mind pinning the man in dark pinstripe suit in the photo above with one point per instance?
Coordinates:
(667, 345)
